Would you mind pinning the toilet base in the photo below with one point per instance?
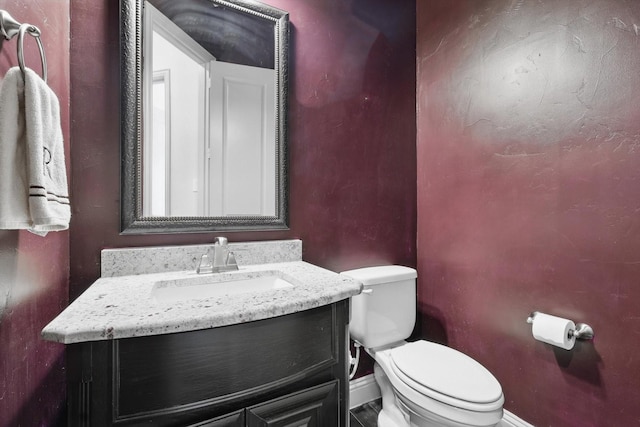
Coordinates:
(390, 415)
(425, 419)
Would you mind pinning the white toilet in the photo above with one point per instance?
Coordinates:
(422, 383)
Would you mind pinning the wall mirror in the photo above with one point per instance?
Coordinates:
(204, 88)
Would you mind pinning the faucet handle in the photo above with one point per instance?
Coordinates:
(204, 266)
(231, 261)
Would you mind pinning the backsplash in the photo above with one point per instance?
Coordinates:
(130, 261)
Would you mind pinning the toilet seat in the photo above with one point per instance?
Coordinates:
(446, 375)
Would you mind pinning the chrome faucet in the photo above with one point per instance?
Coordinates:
(218, 258)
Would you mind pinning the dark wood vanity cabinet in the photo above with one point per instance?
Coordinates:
(286, 370)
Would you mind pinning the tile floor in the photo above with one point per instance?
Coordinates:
(366, 415)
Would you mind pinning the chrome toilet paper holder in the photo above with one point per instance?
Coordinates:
(581, 332)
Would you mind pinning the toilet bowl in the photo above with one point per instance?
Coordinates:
(438, 386)
(422, 383)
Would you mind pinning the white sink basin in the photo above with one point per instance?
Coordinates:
(203, 287)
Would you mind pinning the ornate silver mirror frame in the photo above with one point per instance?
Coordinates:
(131, 128)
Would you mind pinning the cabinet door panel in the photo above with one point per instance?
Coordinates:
(163, 373)
(313, 407)
(231, 420)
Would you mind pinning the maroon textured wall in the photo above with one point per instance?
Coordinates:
(352, 135)
(528, 177)
(34, 271)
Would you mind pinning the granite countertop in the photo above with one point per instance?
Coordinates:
(129, 306)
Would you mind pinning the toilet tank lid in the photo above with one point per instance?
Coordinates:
(382, 274)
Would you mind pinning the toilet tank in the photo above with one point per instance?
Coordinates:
(385, 311)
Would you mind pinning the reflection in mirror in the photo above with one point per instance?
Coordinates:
(209, 151)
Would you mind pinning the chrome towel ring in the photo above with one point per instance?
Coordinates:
(9, 27)
(35, 32)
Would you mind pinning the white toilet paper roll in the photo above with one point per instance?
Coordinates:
(553, 330)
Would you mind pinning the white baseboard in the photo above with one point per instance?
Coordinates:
(511, 420)
(365, 389)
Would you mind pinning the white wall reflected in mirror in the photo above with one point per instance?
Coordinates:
(158, 147)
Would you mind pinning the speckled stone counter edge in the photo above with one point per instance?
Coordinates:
(144, 260)
(125, 301)
(128, 306)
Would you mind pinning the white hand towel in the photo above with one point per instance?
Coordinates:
(33, 179)
(48, 193)
(14, 190)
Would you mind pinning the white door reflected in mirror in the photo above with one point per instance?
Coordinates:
(242, 173)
